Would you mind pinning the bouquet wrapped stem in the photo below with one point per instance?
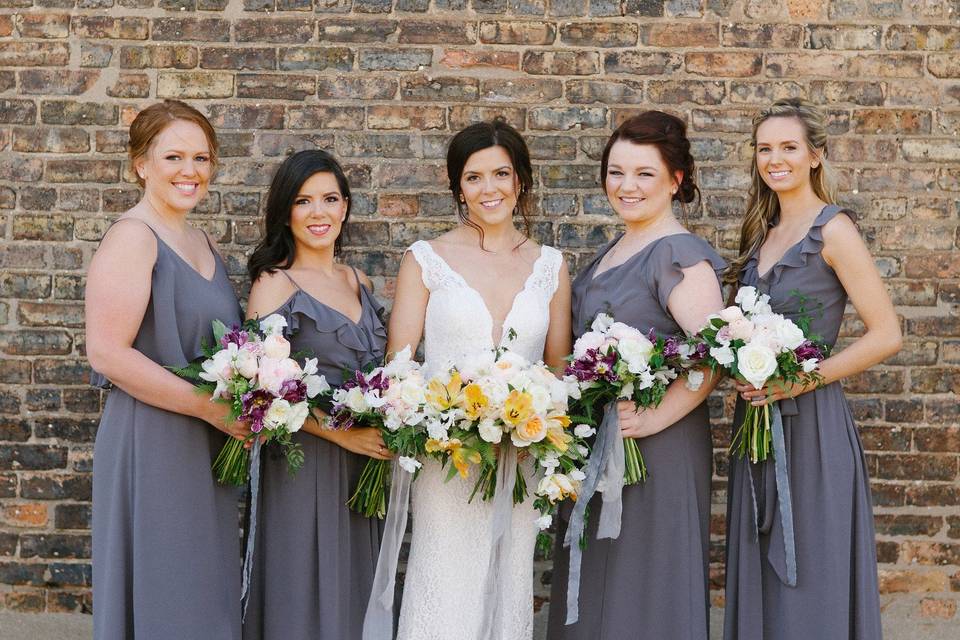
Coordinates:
(754, 437)
(636, 469)
(232, 463)
(370, 497)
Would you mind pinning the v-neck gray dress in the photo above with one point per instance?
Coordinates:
(652, 581)
(314, 558)
(166, 551)
(836, 596)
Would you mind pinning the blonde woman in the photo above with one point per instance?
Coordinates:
(812, 575)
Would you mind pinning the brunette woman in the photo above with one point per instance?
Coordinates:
(818, 577)
(314, 558)
(166, 560)
(651, 581)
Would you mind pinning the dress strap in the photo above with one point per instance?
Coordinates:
(434, 270)
(290, 278)
(143, 222)
(356, 276)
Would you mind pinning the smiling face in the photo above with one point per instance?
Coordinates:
(489, 186)
(784, 159)
(639, 185)
(176, 169)
(317, 214)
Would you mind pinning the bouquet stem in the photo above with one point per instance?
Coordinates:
(754, 437)
(232, 463)
(370, 497)
(636, 469)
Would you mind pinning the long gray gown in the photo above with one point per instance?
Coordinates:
(836, 596)
(166, 551)
(314, 557)
(652, 581)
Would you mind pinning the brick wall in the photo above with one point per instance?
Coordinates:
(383, 82)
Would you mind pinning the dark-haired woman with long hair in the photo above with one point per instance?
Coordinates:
(651, 581)
(314, 558)
(812, 574)
(484, 284)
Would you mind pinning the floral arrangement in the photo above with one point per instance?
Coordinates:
(250, 368)
(614, 361)
(753, 343)
(392, 399)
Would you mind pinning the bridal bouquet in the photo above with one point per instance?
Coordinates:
(250, 368)
(499, 399)
(392, 399)
(755, 344)
(614, 361)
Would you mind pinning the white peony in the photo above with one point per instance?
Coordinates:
(731, 314)
(276, 346)
(489, 431)
(789, 335)
(636, 353)
(583, 431)
(723, 355)
(400, 365)
(273, 324)
(298, 415)
(756, 363)
(278, 414)
(273, 373)
(408, 464)
(740, 329)
(694, 379)
(621, 331)
(356, 401)
(589, 340)
(246, 364)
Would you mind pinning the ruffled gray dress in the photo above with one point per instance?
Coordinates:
(652, 581)
(166, 552)
(836, 596)
(314, 559)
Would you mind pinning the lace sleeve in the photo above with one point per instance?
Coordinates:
(546, 275)
(436, 274)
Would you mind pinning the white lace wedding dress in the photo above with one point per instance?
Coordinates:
(450, 547)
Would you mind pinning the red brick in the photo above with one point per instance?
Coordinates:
(443, 32)
(723, 64)
(98, 27)
(466, 59)
(938, 608)
(42, 25)
(522, 33)
(34, 54)
(396, 117)
(599, 34)
(679, 34)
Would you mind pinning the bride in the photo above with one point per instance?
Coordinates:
(482, 285)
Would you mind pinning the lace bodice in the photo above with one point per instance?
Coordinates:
(450, 544)
(458, 322)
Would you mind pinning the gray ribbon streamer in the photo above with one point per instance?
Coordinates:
(603, 449)
(378, 620)
(252, 532)
(783, 496)
(611, 486)
(498, 566)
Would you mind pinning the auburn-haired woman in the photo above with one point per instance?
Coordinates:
(807, 571)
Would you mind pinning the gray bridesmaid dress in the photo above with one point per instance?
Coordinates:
(314, 558)
(166, 552)
(836, 596)
(652, 581)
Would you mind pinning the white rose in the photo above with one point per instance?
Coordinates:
(589, 340)
(746, 298)
(636, 353)
(273, 324)
(298, 415)
(278, 414)
(756, 363)
(810, 365)
(544, 522)
(583, 431)
(489, 432)
(723, 355)
(356, 401)
(276, 346)
(740, 329)
(694, 379)
(789, 335)
(410, 465)
(730, 314)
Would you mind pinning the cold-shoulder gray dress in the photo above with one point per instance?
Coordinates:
(652, 581)
(314, 558)
(166, 551)
(836, 594)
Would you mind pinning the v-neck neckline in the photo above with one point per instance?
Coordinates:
(360, 298)
(483, 302)
(188, 265)
(594, 275)
(769, 271)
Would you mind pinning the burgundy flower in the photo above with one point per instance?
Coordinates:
(236, 336)
(293, 391)
(808, 350)
(255, 406)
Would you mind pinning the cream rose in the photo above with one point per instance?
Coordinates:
(533, 430)
(276, 346)
(756, 363)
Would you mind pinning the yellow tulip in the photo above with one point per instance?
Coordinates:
(463, 457)
(518, 407)
(442, 396)
(559, 438)
(474, 401)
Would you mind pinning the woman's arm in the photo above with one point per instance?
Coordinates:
(117, 295)
(559, 342)
(696, 296)
(409, 308)
(845, 251)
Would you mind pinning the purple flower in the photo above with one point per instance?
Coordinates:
(594, 366)
(293, 391)
(808, 350)
(236, 335)
(255, 406)
(671, 347)
(700, 351)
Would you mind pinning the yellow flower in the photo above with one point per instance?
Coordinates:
(559, 438)
(474, 402)
(442, 396)
(518, 408)
(533, 430)
(463, 458)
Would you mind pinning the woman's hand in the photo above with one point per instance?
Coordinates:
(365, 441)
(772, 391)
(636, 424)
(219, 417)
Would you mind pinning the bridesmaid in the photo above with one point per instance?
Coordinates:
(314, 558)
(795, 239)
(166, 556)
(651, 582)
